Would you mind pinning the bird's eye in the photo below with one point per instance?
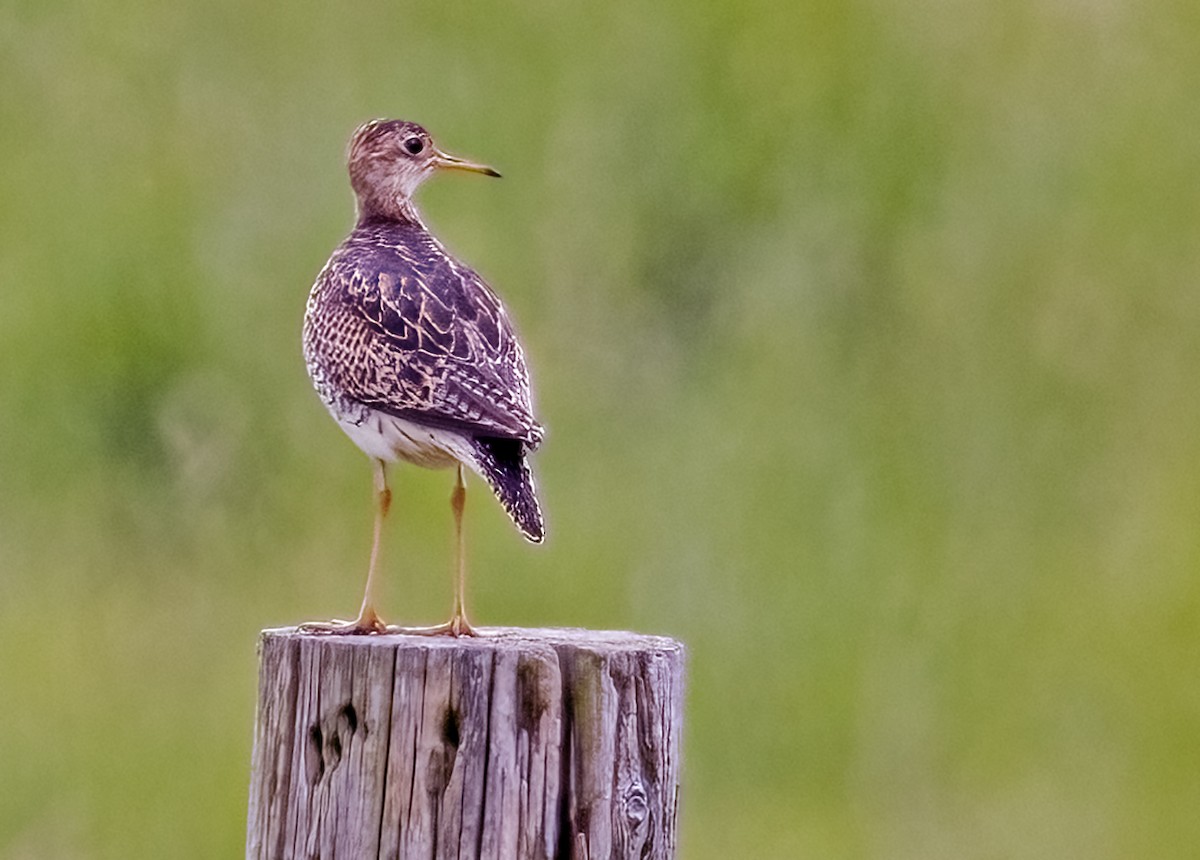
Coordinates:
(414, 145)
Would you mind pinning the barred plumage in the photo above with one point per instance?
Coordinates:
(395, 325)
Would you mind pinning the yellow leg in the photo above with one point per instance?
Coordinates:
(458, 624)
(368, 620)
(458, 499)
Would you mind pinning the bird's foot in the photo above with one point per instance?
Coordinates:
(456, 626)
(367, 622)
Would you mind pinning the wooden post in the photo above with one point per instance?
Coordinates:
(517, 744)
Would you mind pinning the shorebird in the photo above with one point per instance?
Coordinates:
(415, 356)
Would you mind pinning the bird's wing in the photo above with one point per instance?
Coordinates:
(434, 343)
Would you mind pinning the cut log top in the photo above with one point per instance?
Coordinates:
(544, 743)
(498, 638)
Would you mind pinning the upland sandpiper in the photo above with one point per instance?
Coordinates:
(414, 355)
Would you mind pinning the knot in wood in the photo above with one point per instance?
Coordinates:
(636, 808)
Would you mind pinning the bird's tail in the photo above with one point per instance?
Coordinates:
(502, 464)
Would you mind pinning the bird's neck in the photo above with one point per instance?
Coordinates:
(399, 209)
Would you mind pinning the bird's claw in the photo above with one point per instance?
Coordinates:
(456, 627)
(336, 627)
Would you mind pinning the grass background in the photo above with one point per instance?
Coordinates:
(866, 334)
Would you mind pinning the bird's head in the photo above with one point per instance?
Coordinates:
(389, 158)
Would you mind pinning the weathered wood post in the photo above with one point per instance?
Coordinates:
(517, 744)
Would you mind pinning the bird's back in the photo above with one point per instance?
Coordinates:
(396, 326)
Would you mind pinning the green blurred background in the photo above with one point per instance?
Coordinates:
(866, 335)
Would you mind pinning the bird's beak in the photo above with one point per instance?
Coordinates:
(453, 162)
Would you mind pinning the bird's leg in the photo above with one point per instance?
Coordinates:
(458, 624)
(368, 620)
(367, 617)
(458, 500)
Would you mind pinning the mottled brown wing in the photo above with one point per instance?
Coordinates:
(433, 342)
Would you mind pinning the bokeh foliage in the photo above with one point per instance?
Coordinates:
(866, 334)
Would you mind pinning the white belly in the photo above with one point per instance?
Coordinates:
(388, 438)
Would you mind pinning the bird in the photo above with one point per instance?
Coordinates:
(415, 356)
